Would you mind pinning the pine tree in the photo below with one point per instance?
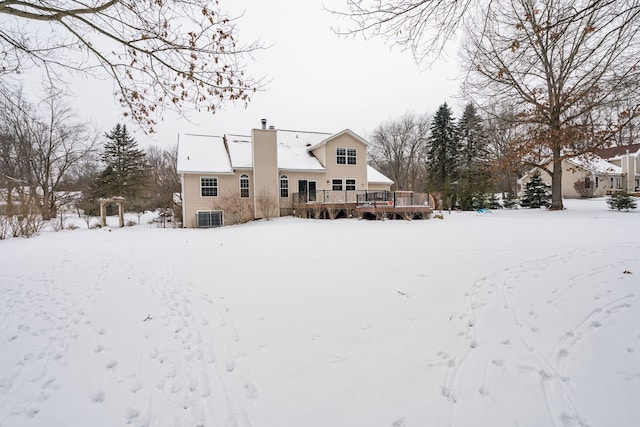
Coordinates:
(510, 201)
(442, 153)
(621, 200)
(473, 169)
(126, 171)
(536, 193)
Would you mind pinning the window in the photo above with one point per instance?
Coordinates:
(616, 183)
(351, 156)
(346, 156)
(284, 186)
(350, 184)
(336, 184)
(597, 182)
(209, 219)
(208, 186)
(244, 185)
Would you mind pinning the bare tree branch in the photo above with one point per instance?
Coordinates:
(161, 54)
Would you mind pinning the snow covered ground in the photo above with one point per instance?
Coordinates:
(527, 318)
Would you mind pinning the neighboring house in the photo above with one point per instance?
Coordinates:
(607, 171)
(264, 174)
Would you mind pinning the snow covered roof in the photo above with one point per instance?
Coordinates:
(240, 151)
(375, 177)
(202, 154)
(293, 150)
(210, 154)
(595, 164)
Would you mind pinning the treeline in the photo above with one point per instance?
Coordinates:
(464, 162)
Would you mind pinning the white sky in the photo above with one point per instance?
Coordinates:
(317, 80)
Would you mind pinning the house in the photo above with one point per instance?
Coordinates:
(606, 171)
(230, 178)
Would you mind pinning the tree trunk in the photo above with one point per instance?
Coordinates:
(556, 181)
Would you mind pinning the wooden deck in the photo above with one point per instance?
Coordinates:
(320, 210)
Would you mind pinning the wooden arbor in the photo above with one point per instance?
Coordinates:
(103, 209)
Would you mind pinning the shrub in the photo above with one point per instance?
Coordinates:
(621, 200)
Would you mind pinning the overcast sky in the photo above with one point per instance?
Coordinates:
(317, 81)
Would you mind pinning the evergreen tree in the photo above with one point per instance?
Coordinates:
(443, 153)
(536, 193)
(621, 200)
(473, 159)
(510, 201)
(126, 171)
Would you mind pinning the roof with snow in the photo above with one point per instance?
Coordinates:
(375, 177)
(216, 154)
(595, 164)
(294, 150)
(202, 153)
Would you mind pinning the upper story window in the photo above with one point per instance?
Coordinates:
(346, 156)
(336, 184)
(244, 185)
(208, 186)
(284, 186)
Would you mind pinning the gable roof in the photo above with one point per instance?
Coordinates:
(609, 153)
(333, 136)
(223, 155)
(595, 164)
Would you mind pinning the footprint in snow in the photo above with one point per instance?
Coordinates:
(98, 397)
(250, 391)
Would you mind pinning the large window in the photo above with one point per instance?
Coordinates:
(209, 186)
(336, 184)
(209, 219)
(346, 156)
(284, 186)
(244, 185)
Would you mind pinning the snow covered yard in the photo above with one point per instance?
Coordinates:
(528, 318)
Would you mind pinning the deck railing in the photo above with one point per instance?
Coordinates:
(364, 197)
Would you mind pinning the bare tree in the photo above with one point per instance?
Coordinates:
(398, 149)
(163, 175)
(425, 26)
(161, 54)
(44, 146)
(565, 72)
(422, 26)
(503, 130)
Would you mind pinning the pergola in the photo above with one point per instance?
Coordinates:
(103, 211)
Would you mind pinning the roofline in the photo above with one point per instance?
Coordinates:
(302, 170)
(205, 173)
(335, 135)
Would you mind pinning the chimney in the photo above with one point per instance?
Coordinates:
(264, 123)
